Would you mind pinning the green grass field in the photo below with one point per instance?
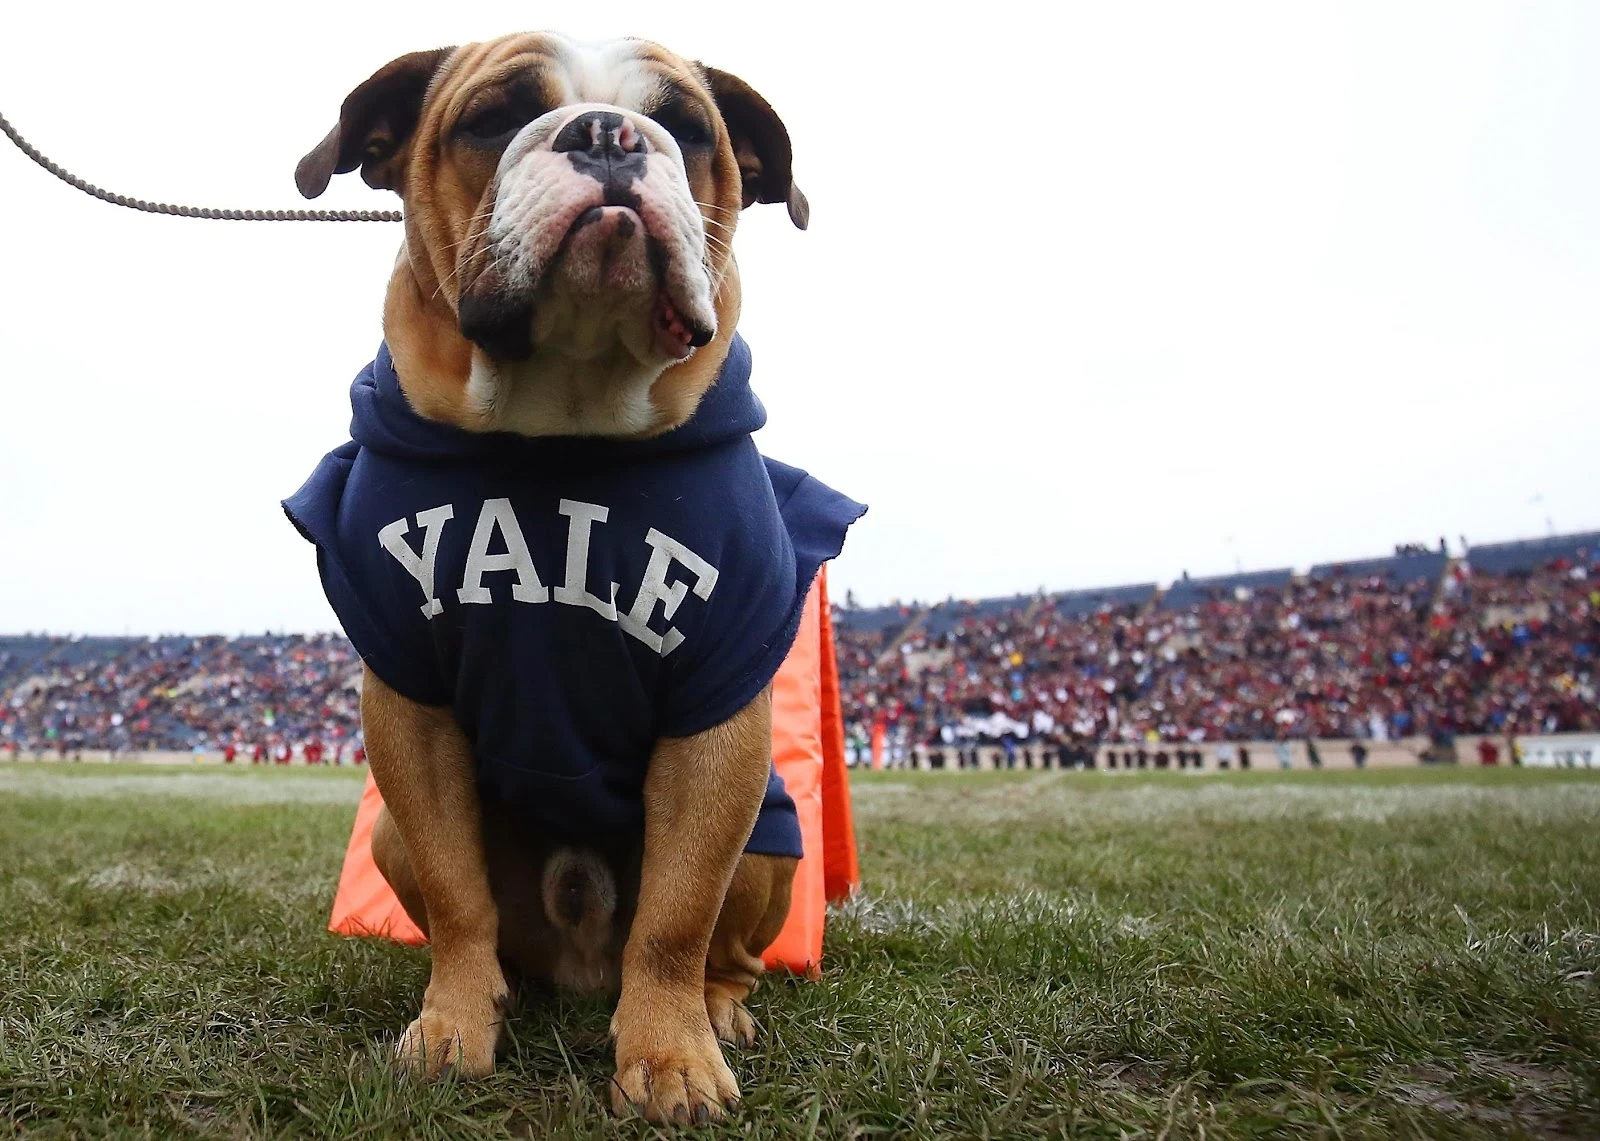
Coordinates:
(1381, 954)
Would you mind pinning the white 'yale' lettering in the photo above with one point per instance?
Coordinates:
(497, 515)
(655, 589)
(527, 588)
(419, 567)
(575, 592)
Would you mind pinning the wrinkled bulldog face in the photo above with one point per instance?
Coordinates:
(572, 207)
(592, 241)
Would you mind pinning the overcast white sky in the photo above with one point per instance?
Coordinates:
(1093, 293)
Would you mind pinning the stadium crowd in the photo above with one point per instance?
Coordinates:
(269, 698)
(1322, 655)
(1330, 655)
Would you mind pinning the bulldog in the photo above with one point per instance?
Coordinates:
(568, 572)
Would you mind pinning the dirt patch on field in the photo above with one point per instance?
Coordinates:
(1500, 1093)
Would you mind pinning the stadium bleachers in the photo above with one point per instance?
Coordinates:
(880, 619)
(1428, 567)
(1188, 591)
(1081, 603)
(947, 615)
(941, 617)
(1531, 554)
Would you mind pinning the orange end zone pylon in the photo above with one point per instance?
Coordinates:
(808, 749)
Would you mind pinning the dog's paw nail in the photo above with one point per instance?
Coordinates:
(702, 1115)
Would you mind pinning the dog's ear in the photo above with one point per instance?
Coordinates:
(761, 144)
(375, 123)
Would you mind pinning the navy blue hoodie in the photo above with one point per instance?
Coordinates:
(572, 599)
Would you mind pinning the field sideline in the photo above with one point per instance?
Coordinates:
(1409, 952)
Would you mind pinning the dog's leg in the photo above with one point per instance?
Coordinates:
(389, 853)
(701, 796)
(424, 768)
(752, 916)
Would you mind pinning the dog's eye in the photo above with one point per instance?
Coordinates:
(683, 124)
(494, 124)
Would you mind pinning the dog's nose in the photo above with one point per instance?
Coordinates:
(600, 134)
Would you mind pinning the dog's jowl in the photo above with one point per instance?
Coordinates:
(567, 569)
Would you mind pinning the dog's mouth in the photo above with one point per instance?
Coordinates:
(607, 271)
(608, 257)
(675, 337)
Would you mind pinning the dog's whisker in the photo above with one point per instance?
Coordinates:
(472, 230)
(444, 282)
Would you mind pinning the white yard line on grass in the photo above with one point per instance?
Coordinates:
(1066, 801)
(222, 787)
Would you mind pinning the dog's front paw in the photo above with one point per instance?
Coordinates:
(729, 1018)
(671, 1072)
(439, 1042)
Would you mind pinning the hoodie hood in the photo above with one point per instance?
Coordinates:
(383, 420)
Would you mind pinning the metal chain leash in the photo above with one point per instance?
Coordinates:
(91, 189)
